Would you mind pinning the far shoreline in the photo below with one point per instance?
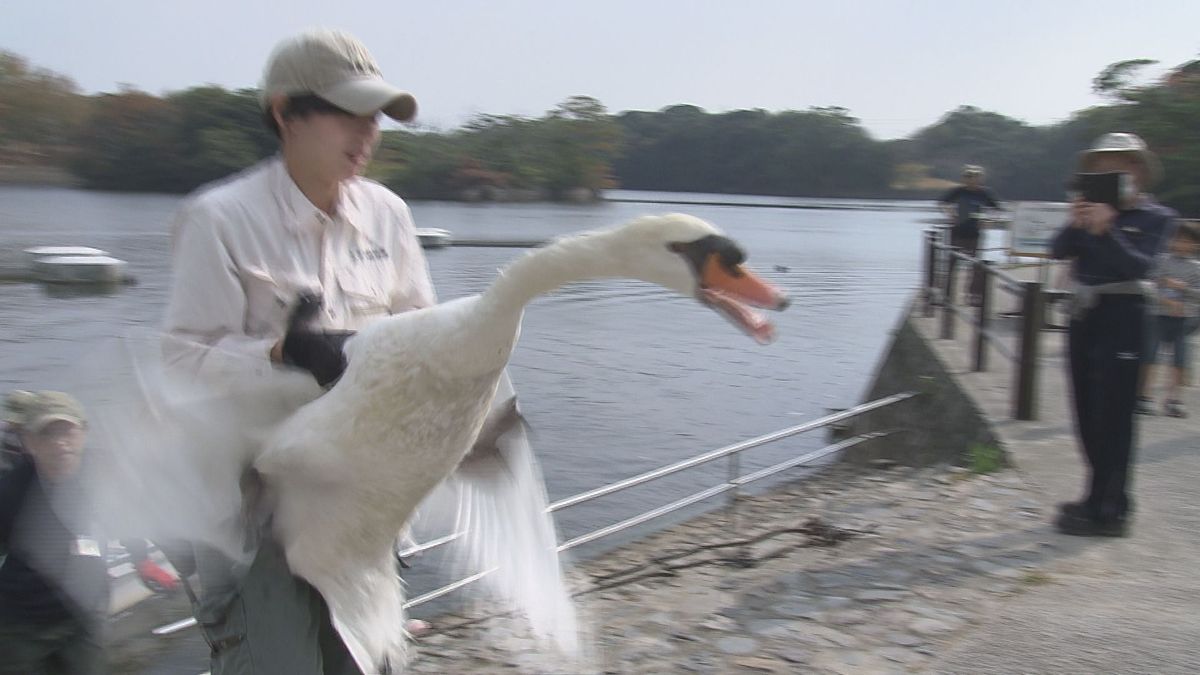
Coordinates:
(35, 176)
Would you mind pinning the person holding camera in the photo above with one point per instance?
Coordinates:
(1112, 238)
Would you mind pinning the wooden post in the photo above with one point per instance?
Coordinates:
(1025, 389)
(930, 270)
(981, 321)
(948, 297)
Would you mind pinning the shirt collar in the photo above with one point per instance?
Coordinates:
(300, 214)
(303, 215)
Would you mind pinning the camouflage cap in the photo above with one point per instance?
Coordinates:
(15, 405)
(52, 406)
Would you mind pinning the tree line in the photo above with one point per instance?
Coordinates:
(132, 140)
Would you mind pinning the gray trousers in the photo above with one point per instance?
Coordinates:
(262, 620)
(64, 647)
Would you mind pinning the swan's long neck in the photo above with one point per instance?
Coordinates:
(589, 256)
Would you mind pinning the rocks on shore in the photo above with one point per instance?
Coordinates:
(931, 551)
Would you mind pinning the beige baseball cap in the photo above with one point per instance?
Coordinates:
(52, 406)
(337, 67)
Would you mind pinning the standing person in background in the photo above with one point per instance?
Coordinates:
(963, 206)
(54, 594)
(300, 228)
(1113, 251)
(1176, 311)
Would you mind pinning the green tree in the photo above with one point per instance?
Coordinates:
(129, 143)
(40, 111)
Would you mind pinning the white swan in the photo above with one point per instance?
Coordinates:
(347, 470)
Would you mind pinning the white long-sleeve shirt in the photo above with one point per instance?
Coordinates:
(245, 249)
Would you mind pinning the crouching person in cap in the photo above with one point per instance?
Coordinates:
(53, 578)
(1112, 249)
(301, 225)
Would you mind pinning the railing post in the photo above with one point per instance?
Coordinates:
(1032, 319)
(983, 267)
(948, 297)
(741, 556)
(930, 270)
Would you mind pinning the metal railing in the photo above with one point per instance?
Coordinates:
(731, 486)
(940, 279)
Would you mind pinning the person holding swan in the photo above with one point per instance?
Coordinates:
(244, 250)
(409, 400)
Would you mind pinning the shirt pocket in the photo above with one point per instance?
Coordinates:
(367, 289)
(268, 301)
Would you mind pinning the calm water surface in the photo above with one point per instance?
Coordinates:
(616, 377)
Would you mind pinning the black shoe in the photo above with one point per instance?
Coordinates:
(1077, 509)
(1144, 406)
(1081, 525)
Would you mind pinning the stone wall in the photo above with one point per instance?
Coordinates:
(938, 425)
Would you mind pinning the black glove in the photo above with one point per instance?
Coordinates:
(318, 352)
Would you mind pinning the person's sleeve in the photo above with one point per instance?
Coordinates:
(1193, 281)
(14, 483)
(415, 290)
(1156, 268)
(949, 196)
(1132, 260)
(991, 199)
(205, 321)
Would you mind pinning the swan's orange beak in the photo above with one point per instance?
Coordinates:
(730, 289)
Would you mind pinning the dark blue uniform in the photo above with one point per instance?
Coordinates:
(964, 234)
(1105, 347)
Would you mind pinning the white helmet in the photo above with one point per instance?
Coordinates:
(1127, 143)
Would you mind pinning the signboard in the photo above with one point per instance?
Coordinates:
(1034, 225)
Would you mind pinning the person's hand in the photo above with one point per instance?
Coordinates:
(1097, 219)
(1078, 214)
(1172, 282)
(318, 352)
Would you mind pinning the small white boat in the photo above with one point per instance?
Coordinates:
(37, 252)
(434, 237)
(79, 269)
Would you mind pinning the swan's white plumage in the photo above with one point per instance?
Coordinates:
(346, 471)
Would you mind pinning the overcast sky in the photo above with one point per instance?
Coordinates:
(897, 66)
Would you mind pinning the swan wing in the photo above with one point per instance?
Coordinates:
(497, 499)
(167, 450)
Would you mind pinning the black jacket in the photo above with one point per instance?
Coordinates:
(52, 571)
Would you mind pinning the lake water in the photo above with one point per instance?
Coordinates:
(616, 377)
